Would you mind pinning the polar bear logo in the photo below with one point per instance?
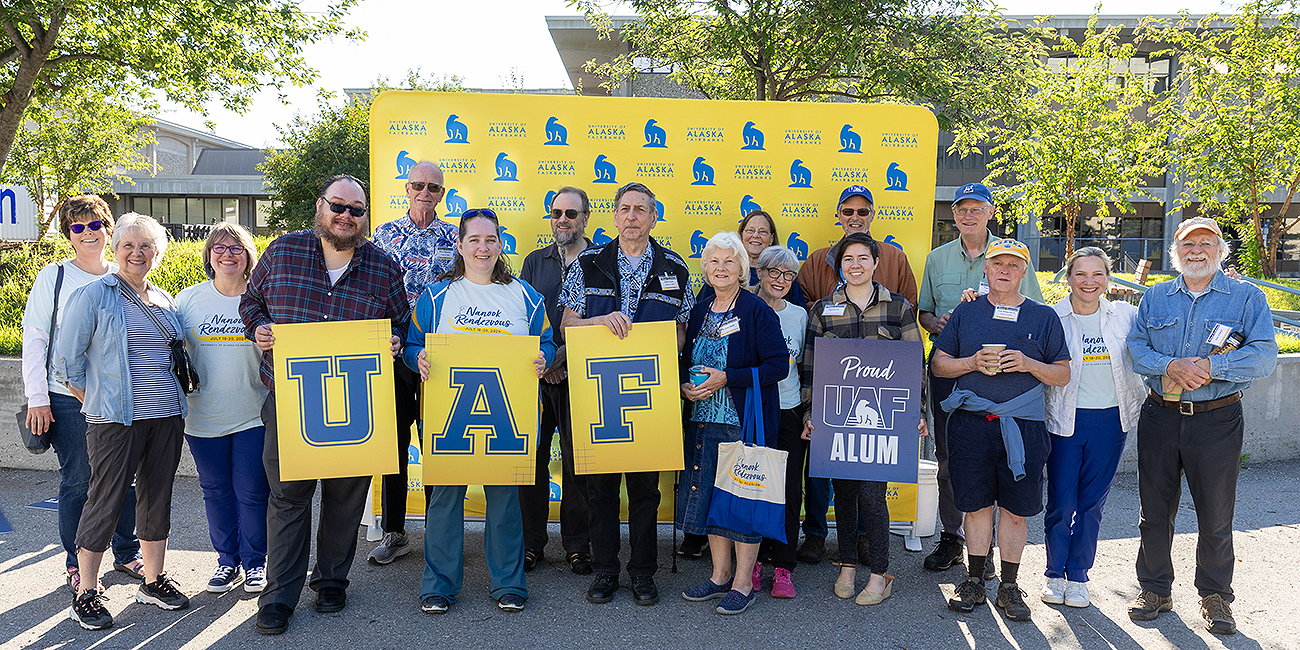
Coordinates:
(752, 136)
(896, 178)
(850, 142)
(457, 132)
(506, 168)
(702, 171)
(655, 136)
(865, 417)
(556, 133)
(605, 172)
(800, 176)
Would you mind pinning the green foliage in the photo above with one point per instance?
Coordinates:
(954, 56)
(334, 141)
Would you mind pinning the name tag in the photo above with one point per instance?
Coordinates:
(833, 310)
(984, 287)
(443, 254)
(668, 282)
(1003, 312)
(1219, 334)
(729, 326)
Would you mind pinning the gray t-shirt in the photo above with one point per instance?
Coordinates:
(230, 396)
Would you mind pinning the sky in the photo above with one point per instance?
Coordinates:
(487, 43)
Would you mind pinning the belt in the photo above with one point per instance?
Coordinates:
(1189, 408)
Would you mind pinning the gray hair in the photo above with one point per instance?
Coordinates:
(1087, 251)
(133, 222)
(730, 241)
(778, 257)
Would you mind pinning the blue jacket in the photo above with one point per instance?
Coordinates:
(428, 312)
(759, 343)
(90, 354)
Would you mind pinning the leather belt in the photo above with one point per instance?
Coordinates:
(1190, 408)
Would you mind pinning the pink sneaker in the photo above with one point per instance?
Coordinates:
(782, 583)
(757, 576)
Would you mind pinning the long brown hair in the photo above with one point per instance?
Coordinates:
(501, 273)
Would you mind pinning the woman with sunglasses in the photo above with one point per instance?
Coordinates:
(479, 295)
(224, 428)
(51, 408)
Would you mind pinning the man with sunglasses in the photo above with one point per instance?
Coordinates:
(425, 247)
(329, 273)
(545, 269)
(632, 279)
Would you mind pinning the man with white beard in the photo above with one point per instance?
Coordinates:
(1199, 340)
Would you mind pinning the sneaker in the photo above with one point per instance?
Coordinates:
(1054, 591)
(1076, 594)
(88, 611)
(735, 602)
(812, 550)
(1148, 605)
(393, 546)
(74, 579)
(970, 593)
(163, 593)
(782, 583)
(693, 547)
(1218, 615)
(511, 603)
(1011, 598)
(756, 577)
(435, 605)
(255, 580)
(990, 569)
(706, 590)
(223, 579)
(947, 553)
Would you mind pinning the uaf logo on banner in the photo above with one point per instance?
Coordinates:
(480, 412)
(866, 406)
(333, 401)
(624, 399)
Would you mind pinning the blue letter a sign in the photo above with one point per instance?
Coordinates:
(481, 405)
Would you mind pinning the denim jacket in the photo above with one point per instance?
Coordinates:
(91, 351)
(1171, 323)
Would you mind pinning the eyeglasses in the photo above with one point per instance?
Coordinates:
(79, 228)
(750, 232)
(862, 212)
(567, 214)
(339, 208)
(233, 249)
(485, 212)
(419, 186)
(775, 273)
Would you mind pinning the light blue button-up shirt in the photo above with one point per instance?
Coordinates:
(1172, 323)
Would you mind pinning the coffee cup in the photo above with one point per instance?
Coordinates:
(995, 348)
(698, 376)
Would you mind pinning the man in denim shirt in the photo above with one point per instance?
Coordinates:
(1191, 423)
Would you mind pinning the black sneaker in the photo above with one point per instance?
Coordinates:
(947, 553)
(162, 593)
(223, 579)
(435, 605)
(1011, 598)
(511, 603)
(812, 550)
(990, 569)
(89, 612)
(969, 594)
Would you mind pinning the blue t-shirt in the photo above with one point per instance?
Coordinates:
(1036, 332)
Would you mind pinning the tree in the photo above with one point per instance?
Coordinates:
(955, 56)
(1234, 121)
(1077, 136)
(189, 51)
(334, 141)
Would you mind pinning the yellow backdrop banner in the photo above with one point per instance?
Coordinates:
(625, 399)
(334, 399)
(708, 163)
(480, 410)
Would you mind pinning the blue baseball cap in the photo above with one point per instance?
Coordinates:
(855, 190)
(976, 191)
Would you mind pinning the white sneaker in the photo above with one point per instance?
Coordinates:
(1076, 594)
(1054, 592)
(255, 580)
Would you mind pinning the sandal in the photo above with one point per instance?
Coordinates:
(74, 578)
(531, 558)
(134, 568)
(580, 563)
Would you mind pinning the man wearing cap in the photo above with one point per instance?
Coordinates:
(950, 269)
(425, 246)
(1199, 340)
(1001, 349)
(632, 279)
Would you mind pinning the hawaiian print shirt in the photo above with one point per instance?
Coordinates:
(424, 253)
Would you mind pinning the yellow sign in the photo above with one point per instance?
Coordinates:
(480, 411)
(334, 399)
(708, 163)
(625, 399)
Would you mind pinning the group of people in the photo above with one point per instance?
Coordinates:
(1020, 393)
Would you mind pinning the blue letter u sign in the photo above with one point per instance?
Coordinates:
(356, 425)
(622, 385)
(481, 405)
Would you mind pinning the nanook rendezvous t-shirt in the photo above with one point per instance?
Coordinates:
(470, 308)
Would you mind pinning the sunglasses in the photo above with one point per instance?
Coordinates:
(419, 186)
(340, 208)
(486, 212)
(79, 228)
(567, 214)
(862, 212)
(778, 273)
(233, 249)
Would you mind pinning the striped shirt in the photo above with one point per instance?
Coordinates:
(149, 361)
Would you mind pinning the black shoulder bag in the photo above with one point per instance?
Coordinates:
(39, 444)
(181, 365)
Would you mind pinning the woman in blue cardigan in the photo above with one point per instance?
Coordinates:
(727, 337)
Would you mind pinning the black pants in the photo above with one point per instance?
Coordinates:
(642, 517)
(535, 500)
(870, 497)
(949, 515)
(406, 384)
(288, 525)
(1206, 447)
(789, 439)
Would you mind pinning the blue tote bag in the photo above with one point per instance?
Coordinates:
(749, 488)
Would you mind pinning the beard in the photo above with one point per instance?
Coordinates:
(322, 229)
(564, 239)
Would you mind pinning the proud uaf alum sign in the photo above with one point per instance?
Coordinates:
(866, 403)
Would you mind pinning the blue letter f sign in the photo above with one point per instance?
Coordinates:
(356, 426)
(622, 385)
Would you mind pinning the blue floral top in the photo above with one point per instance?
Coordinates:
(711, 350)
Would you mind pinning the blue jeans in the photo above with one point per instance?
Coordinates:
(444, 542)
(1080, 469)
(68, 437)
(235, 493)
